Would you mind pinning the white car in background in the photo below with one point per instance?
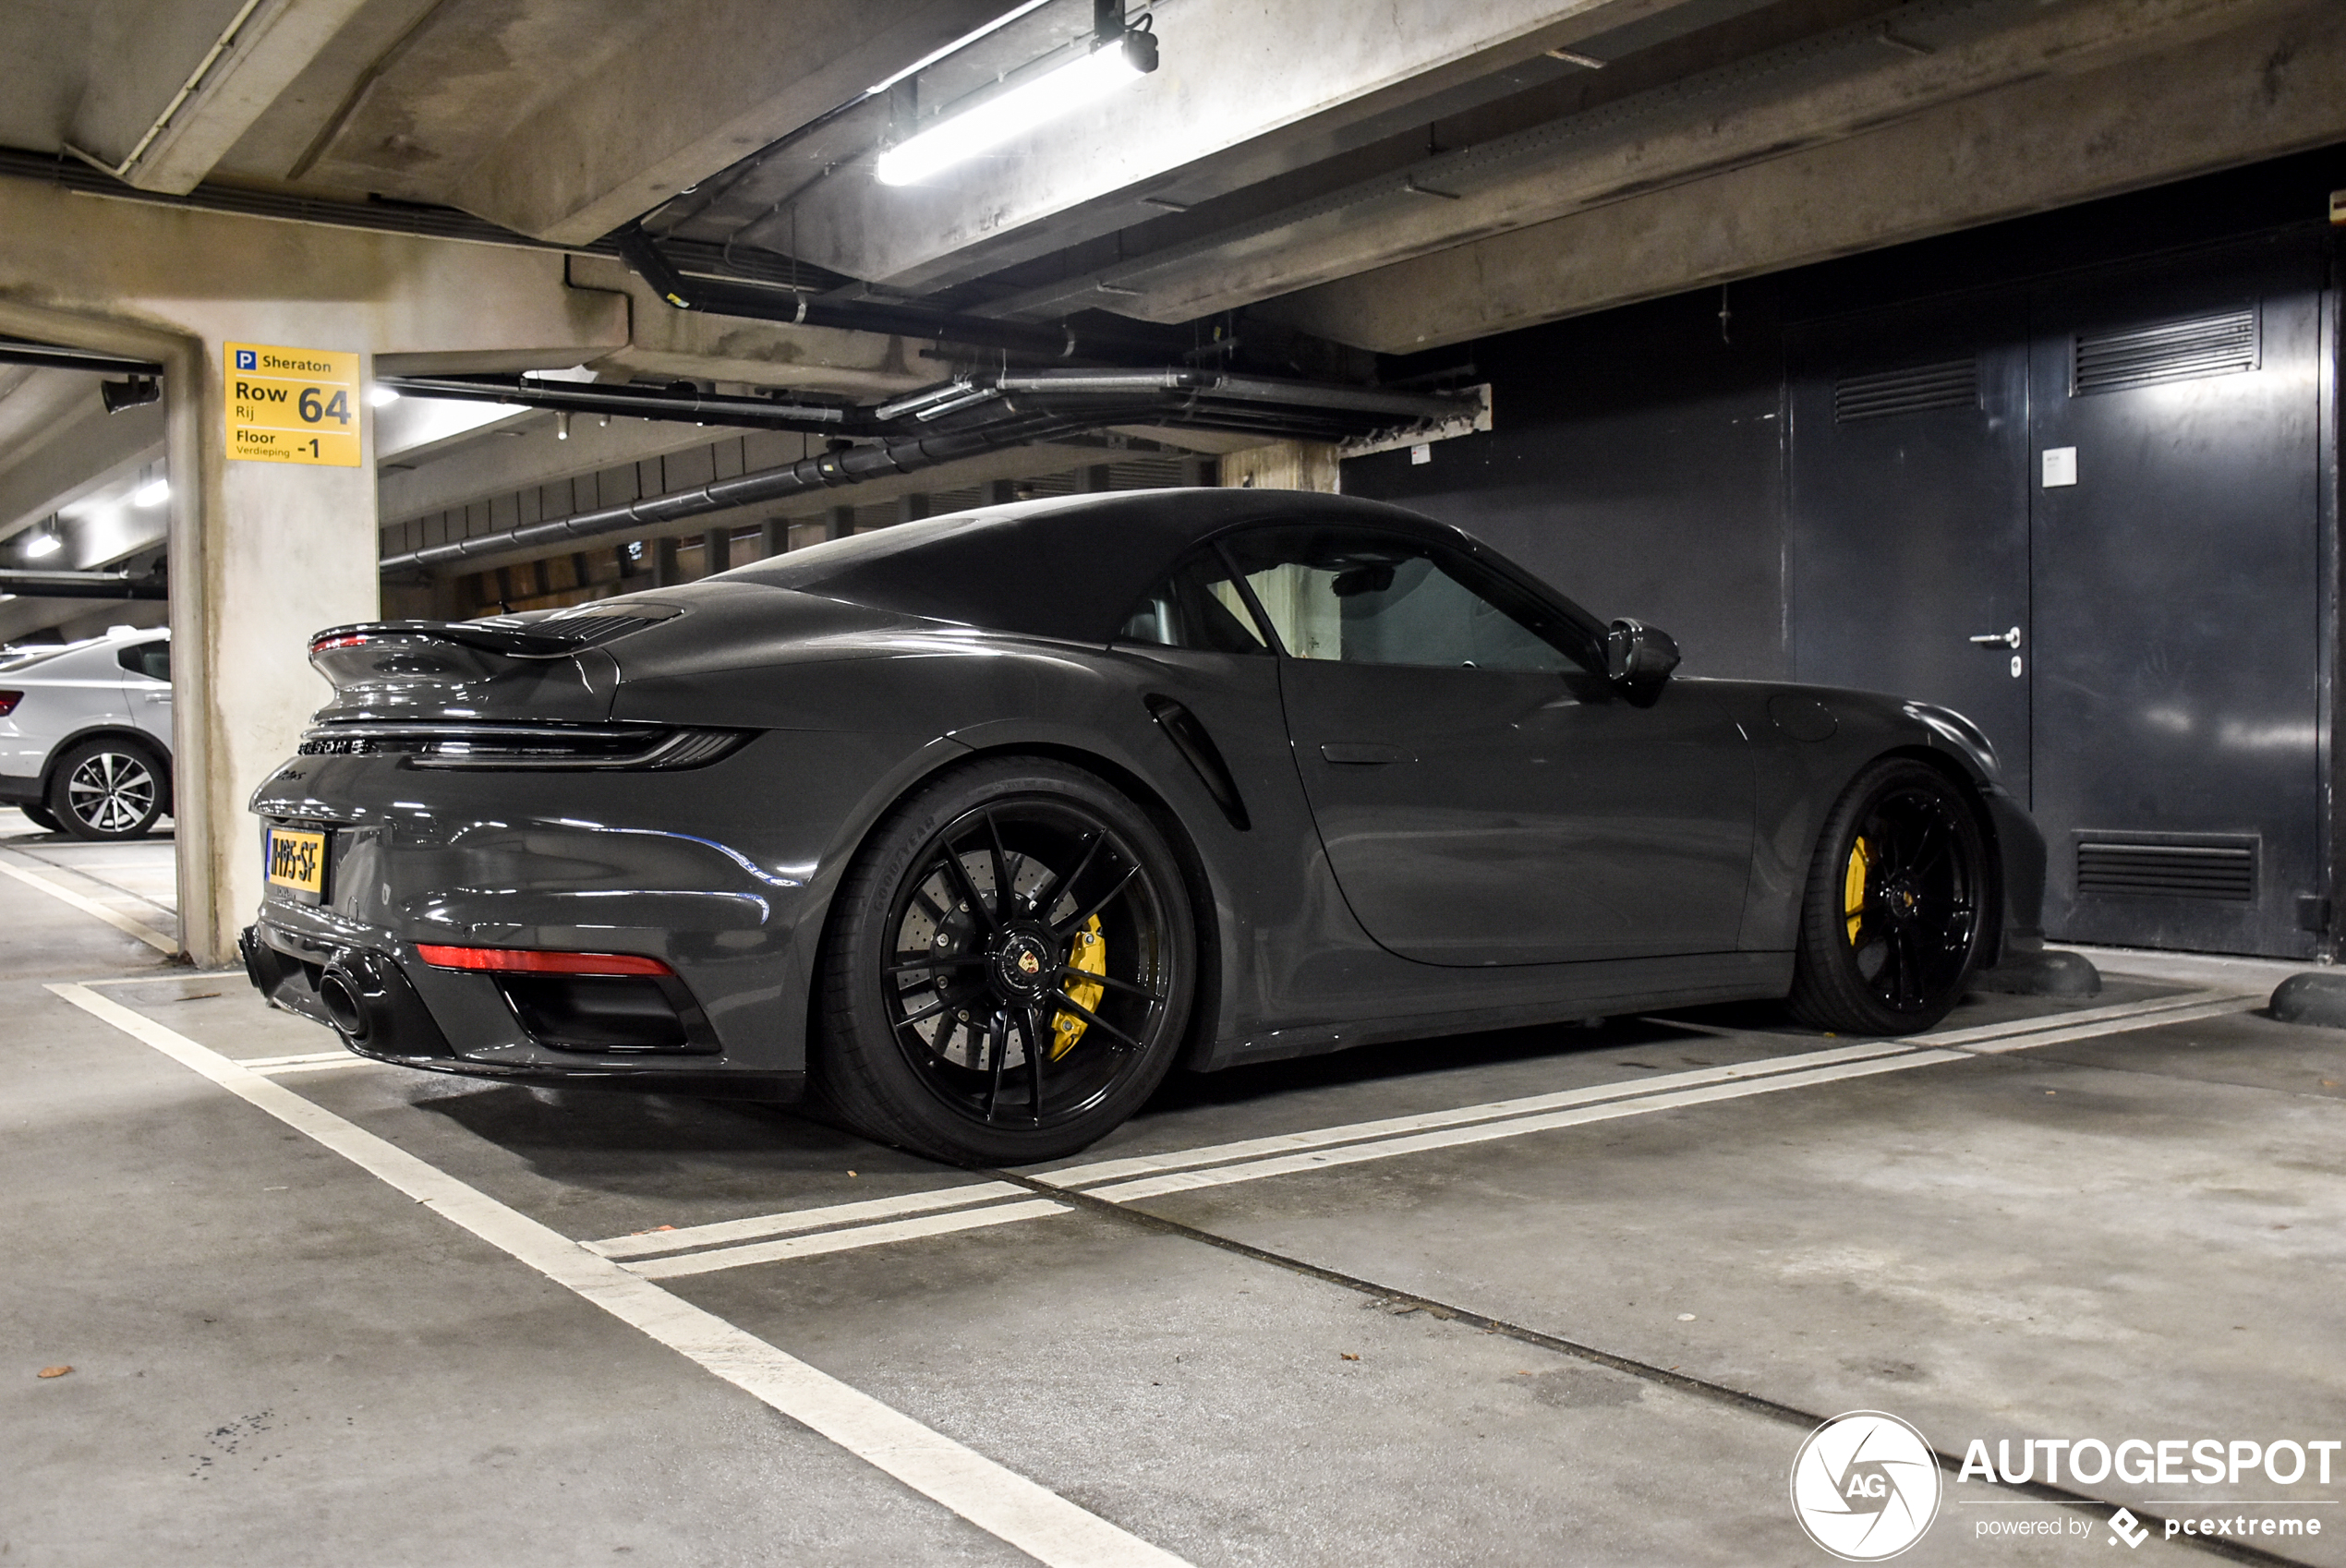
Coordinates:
(85, 734)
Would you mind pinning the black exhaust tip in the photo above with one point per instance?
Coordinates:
(336, 995)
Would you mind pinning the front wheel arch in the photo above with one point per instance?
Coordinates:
(1909, 836)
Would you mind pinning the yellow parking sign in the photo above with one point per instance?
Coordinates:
(293, 404)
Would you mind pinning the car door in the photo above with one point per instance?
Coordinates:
(146, 685)
(1484, 795)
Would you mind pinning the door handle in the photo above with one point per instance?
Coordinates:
(1364, 753)
(1996, 639)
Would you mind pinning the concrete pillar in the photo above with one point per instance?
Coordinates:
(665, 573)
(774, 535)
(263, 554)
(716, 551)
(1095, 477)
(1284, 466)
(1001, 492)
(839, 524)
(911, 508)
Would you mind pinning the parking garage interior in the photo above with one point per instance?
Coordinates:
(1982, 352)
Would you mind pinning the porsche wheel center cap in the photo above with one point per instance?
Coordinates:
(1901, 900)
(1022, 967)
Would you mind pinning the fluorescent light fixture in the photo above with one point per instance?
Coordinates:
(43, 543)
(926, 61)
(154, 492)
(380, 397)
(963, 135)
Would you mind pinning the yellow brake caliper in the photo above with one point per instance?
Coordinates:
(1853, 887)
(1091, 957)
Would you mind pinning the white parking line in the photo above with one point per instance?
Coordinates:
(644, 1242)
(1484, 1132)
(287, 1069)
(994, 1498)
(1134, 1177)
(843, 1240)
(121, 923)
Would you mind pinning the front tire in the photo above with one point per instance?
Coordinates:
(1009, 967)
(107, 790)
(1896, 909)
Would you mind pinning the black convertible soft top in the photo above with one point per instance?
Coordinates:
(1069, 567)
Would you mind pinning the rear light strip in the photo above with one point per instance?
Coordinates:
(507, 747)
(526, 961)
(8, 701)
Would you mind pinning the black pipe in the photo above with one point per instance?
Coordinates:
(1055, 342)
(17, 351)
(630, 401)
(82, 586)
(851, 466)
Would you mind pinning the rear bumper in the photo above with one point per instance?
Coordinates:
(16, 791)
(370, 997)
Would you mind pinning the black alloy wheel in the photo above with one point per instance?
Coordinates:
(1010, 971)
(107, 789)
(1897, 909)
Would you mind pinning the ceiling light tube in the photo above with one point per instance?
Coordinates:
(40, 544)
(957, 138)
(154, 492)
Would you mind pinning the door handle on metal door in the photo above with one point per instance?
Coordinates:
(1364, 753)
(1996, 639)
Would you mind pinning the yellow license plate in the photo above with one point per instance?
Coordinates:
(296, 859)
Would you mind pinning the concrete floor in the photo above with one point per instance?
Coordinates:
(1595, 1337)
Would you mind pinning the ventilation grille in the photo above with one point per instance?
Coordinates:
(2171, 351)
(1952, 384)
(2212, 868)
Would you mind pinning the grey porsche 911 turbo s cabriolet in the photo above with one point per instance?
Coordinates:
(975, 827)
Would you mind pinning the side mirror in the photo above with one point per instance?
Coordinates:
(1639, 657)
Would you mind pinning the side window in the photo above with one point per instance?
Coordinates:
(1197, 606)
(151, 659)
(1363, 597)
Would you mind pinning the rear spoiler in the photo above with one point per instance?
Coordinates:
(509, 638)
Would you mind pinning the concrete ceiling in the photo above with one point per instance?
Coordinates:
(1317, 158)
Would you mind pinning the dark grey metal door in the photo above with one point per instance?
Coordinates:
(2177, 594)
(1909, 525)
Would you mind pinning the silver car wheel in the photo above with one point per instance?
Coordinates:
(111, 792)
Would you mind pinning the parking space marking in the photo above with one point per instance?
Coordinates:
(120, 921)
(1131, 1178)
(2116, 1011)
(284, 1069)
(643, 1243)
(843, 1240)
(990, 1496)
(1496, 1110)
(1484, 1132)
(2126, 1025)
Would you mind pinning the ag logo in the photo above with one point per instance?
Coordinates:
(1865, 1486)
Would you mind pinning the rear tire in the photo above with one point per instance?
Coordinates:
(106, 789)
(1896, 909)
(39, 816)
(1008, 970)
